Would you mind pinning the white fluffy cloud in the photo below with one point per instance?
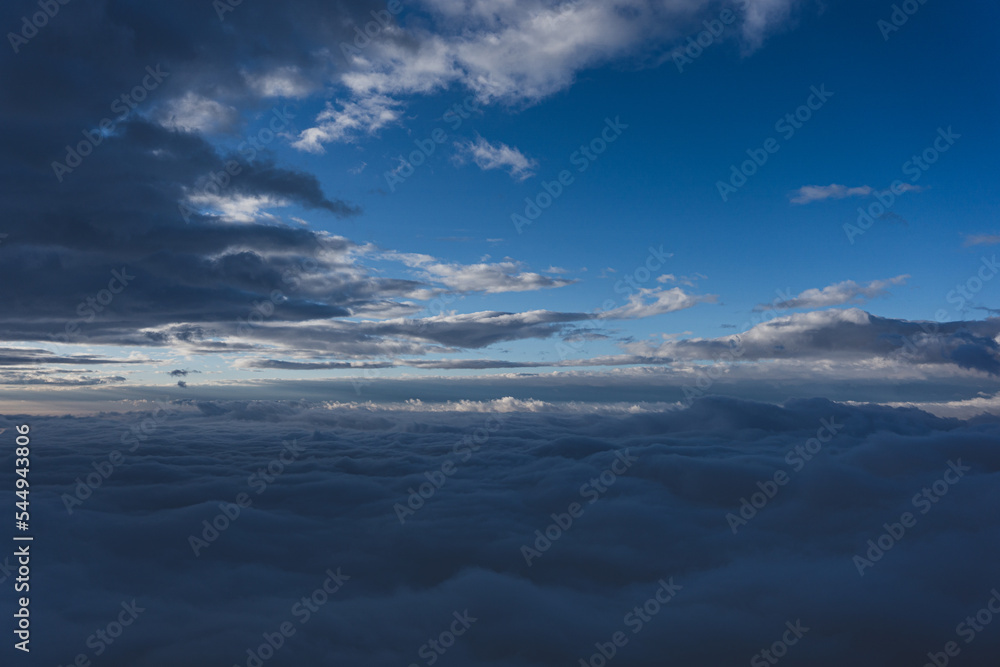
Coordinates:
(520, 51)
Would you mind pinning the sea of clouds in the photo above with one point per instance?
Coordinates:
(411, 524)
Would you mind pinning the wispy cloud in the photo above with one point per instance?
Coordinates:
(351, 120)
(813, 193)
(497, 156)
(838, 294)
(486, 277)
(649, 302)
(981, 239)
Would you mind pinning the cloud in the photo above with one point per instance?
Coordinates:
(236, 207)
(352, 119)
(664, 517)
(981, 239)
(194, 113)
(518, 52)
(655, 301)
(489, 278)
(498, 156)
(284, 81)
(851, 334)
(812, 193)
(690, 281)
(838, 294)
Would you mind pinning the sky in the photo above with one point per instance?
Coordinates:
(286, 198)
(500, 333)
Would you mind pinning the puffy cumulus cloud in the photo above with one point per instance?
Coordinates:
(838, 294)
(337, 475)
(497, 156)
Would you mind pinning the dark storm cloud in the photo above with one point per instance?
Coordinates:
(331, 505)
(119, 206)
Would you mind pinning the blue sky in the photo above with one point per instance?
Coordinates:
(214, 252)
(657, 185)
(440, 249)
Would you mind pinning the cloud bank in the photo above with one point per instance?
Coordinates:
(338, 476)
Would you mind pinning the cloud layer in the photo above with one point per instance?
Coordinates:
(333, 503)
